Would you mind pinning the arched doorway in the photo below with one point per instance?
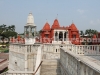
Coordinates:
(65, 36)
(60, 36)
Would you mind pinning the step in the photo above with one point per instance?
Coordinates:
(50, 73)
(50, 67)
(50, 62)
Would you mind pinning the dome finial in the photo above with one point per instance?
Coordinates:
(30, 12)
(46, 20)
(57, 16)
(30, 19)
(72, 22)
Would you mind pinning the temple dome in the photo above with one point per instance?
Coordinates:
(55, 24)
(46, 27)
(30, 20)
(73, 27)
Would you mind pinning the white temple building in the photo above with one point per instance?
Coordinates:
(29, 30)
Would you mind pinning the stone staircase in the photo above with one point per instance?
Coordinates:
(50, 67)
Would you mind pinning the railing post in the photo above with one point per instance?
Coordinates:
(76, 49)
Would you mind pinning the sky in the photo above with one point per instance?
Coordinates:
(85, 14)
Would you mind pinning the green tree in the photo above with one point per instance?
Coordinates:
(7, 31)
(9, 28)
(81, 33)
(10, 34)
(13, 27)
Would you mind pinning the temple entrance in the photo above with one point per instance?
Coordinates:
(65, 36)
(60, 36)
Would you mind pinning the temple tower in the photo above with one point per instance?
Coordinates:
(30, 30)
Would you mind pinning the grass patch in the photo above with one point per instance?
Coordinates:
(4, 50)
(6, 70)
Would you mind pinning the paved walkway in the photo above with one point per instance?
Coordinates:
(3, 61)
(3, 65)
(4, 55)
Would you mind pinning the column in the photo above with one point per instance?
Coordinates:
(97, 51)
(54, 35)
(58, 36)
(66, 36)
(26, 67)
(34, 31)
(76, 50)
(63, 35)
(29, 31)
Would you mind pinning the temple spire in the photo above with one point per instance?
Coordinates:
(30, 19)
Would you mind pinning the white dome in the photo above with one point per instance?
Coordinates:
(30, 20)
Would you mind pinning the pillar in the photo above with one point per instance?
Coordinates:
(54, 35)
(67, 36)
(34, 31)
(26, 67)
(58, 36)
(63, 35)
(97, 51)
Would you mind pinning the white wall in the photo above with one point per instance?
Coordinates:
(73, 64)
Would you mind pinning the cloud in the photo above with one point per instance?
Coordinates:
(80, 11)
(95, 22)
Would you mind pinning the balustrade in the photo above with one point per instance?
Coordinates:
(73, 64)
(84, 49)
(18, 73)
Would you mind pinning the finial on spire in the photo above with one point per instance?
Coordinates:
(46, 20)
(72, 22)
(57, 16)
(30, 12)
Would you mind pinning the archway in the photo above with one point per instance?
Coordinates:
(60, 36)
(65, 36)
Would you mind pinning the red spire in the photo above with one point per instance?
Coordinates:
(55, 24)
(73, 27)
(46, 27)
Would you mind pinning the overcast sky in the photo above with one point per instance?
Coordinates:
(84, 13)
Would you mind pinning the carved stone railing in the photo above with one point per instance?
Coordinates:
(84, 49)
(75, 64)
(17, 73)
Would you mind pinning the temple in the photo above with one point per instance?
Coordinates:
(60, 34)
(57, 53)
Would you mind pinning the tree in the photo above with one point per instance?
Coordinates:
(81, 33)
(7, 31)
(10, 34)
(91, 32)
(86, 31)
(40, 31)
(13, 27)
(9, 28)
